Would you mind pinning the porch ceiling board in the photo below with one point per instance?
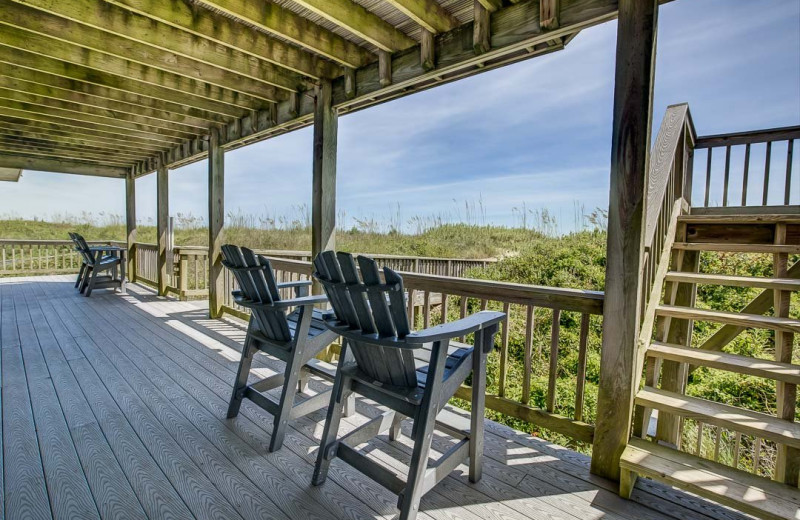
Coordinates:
(43, 164)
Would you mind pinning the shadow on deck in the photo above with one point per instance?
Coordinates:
(114, 406)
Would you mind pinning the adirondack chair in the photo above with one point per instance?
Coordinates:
(82, 269)
(95, 264)
(293, 337)
(413, 374)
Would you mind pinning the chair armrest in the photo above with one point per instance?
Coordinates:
(301, 302)
(297, 283)
(454, 329)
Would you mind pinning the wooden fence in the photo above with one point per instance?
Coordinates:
(31, 257)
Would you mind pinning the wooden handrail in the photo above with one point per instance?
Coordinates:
(751, 137)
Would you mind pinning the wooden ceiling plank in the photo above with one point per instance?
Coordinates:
(32, 112)
(491, 5)
(71, 71)
(14, 136)
(26, 102)
(429, 14)
(171, 71)
(119, 22)
(35, 128)
(359, 21)
(97, 114)
(66, 153)
(52, 165)
(51, 154)
(49, 85)
(231, 33)
(281, 22)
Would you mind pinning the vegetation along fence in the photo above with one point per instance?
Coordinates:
(30, 257)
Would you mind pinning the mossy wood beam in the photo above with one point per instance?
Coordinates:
(98, 114)
(491, 5)
(57, 37)
(97, 102)
(515, 35)
(118, 22)
(43, 84)
(427, 13)
(356, 19)
(281, 22)
(87, 128)
(52, 165)
(68, 132)
(50, 152)
(159, 90)
(80, 119)
(225, 31)
(130, 223)
(11, 135)
(25, 142)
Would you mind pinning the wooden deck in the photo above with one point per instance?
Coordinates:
(114, 407)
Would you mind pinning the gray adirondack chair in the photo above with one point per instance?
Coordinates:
(414, 374)
(94, 264)
(293, 337)
(82, 270)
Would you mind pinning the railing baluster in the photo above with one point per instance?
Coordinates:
(727, 178)
(767, 159)
(553, 374)
(699, 448)
(737, 450)
(717, 442)
(580, 387)
(708, 177)
(756, 455)
(444, 308)
(501, 384)
(426, 310)
(526, 381)
(786, 196)
(745, 173)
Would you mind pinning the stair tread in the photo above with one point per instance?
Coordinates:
(733, 487)
(764, 218)
(786, 372)
(785, 284)
(731, 318)
(726, 247)
(718, 414)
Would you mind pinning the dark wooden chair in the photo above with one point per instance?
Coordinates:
(413, 374)
(95, 264)
(293, 337)
(82, 270)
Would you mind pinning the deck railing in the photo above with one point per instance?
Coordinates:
(31, 257)
(755, 163)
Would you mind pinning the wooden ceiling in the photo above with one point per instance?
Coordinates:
(112, 87)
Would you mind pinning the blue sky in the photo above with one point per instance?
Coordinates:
(533, 135)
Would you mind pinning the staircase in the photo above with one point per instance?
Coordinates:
(670, 356)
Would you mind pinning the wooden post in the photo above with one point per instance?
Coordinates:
(130, 223)
(162, 216)
(619, 360)
(216, 219)
(323, 204)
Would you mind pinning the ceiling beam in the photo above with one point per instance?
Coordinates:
(160, 90)
(71, 140)
(61, 131)
(20, 138)
(64, 93)
(428, 13)
(281, 22)
(101, 116)
(356, 19)
(491, 5)
(56, 36)
(49, 115)
(61, 166)
(73, 112)
(64, 153)
(110, 19)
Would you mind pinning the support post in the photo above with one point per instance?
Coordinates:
(216, 220)
(323, 204)
(619, 361)
(162, 216)
(130, 223)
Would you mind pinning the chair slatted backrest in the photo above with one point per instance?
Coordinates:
(257, 283)
(83, 248)
(376, 309)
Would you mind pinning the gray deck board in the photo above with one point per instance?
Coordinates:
(124, 399)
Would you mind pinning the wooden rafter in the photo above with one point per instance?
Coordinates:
(51, 165)
(161, 90)
(281, 22)
(41, 32)
(46, 129)
(428, 13)
(60, 152)
(137, 28)
(364, 24)
(13, 136)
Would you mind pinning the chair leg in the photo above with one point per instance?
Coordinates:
(80, 275)
(240, 383)
(339, 394)
(476, 417)
(92, 281)
(395, 429)
(627, 480)
(87, 273)
(286, 401)
(408, 501)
